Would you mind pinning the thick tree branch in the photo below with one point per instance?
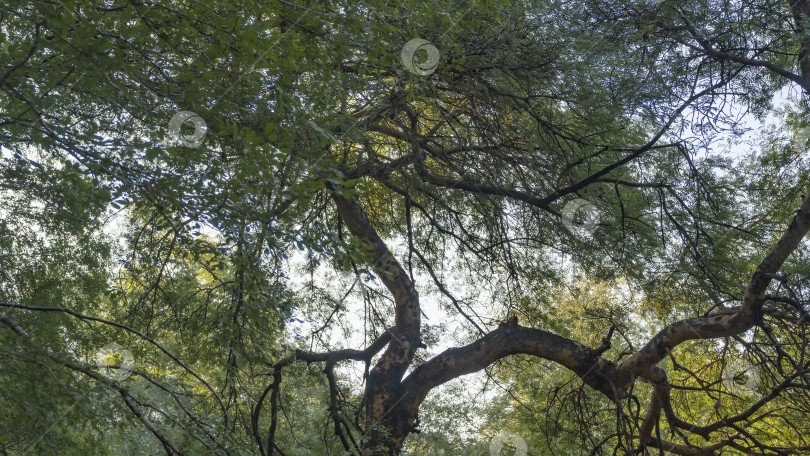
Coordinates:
(384, 379)
(274, 389)
(340, 355)
(12, 324)
(511, 339)
(394, 277)
(749, 314)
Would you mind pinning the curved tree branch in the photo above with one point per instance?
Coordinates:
(749, 314)
(510, 339)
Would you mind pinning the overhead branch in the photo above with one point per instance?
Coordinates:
(800, 9)
(511, 339)
(542, 202)
(407, 317)
(706, 47)
(722, 325)
(274, 389)
(12, 324)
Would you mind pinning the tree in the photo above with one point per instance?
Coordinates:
(453, 169)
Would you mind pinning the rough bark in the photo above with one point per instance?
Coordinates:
(800, 9)
(393, 402)
(387, 421)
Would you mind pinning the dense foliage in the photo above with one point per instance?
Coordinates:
(288, 221)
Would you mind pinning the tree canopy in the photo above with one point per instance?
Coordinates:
(375, 228)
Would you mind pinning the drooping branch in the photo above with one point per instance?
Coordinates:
(170, 448)
(342, 427)
(274, 389)
(128, 398)
(86, 318)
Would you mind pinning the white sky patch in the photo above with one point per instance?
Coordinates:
(351, 317)
(347, 327)
(349, 333)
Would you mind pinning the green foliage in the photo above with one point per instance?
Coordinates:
(200, 259)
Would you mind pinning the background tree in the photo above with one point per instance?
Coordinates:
(318, 149)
